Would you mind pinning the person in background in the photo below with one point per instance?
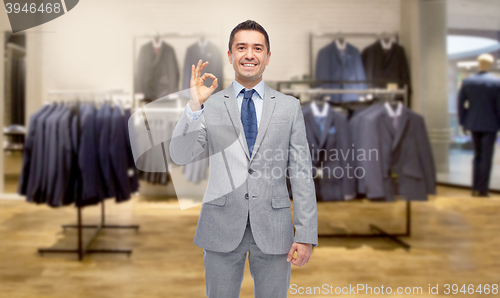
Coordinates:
(479, 113)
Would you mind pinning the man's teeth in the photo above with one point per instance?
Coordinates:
(248, 64)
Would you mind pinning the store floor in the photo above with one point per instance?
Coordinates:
(455, 240)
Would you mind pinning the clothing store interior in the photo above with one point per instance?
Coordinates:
(92, 205)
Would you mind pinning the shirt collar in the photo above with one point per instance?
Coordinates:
(391, 112)
(259, 88)
(317, 112)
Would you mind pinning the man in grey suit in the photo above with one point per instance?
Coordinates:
(254, 135)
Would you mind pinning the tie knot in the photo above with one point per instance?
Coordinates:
(248, 93)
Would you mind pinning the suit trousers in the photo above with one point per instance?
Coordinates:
(484, 146)
(224, 271)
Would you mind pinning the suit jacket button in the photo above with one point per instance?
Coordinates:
(246, 196)
(250, 171)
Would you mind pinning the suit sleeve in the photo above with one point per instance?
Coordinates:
(348, 181)
(461, 105)
(360, 71)
(189, 139)
(369, 141)
(405, 71)
(426, 157)
(300, 172)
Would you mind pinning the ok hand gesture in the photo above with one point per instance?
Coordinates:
(199, 92)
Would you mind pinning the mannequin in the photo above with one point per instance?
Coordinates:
(479, 113)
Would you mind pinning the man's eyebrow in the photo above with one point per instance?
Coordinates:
(244, 44)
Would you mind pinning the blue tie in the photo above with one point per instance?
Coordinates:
(249, 119)
(319, 120)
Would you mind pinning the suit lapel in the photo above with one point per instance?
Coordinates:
(234, 113)
(267, 112)
(403, 120)
(388, 123)
(311, 124)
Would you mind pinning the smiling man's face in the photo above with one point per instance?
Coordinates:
(249, 57)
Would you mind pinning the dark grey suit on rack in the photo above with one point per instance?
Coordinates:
(482, 117)
(104, 156)
(157, 75)
(389, 66)
(210, 53)
(402, 153)
(34, 188)
(334, 137)
(51, 157)
(63, 194)
(118, 156)
(28, 151)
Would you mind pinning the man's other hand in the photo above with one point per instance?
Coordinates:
(304, 251)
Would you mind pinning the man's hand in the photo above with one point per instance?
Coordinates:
(199, 92)
(303, 250)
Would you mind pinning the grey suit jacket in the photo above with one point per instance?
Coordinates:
(157, 75)
(239, 185)
(404, 153)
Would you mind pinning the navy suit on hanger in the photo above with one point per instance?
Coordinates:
(331, 64)
(327, 146)
(118, 156)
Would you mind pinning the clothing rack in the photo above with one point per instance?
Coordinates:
(377, 232)
(84, 249)
(317, 91)
(337, 35)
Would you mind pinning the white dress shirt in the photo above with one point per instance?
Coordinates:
(257, 97)
(394, 114)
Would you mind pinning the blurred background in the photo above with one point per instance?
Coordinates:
(110, 52)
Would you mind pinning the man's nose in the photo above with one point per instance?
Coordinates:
(249, 54)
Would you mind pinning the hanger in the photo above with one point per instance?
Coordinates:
(202, 41)
(341, 43)
(157, 40)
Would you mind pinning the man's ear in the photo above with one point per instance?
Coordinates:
(268, 58)
(229, 57)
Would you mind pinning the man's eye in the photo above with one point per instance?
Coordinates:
(258, 49)
(240, 48)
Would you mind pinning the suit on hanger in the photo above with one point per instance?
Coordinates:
(354, 124)
(482, 117)
(157, 74)
(118, 156)
(63, 192)
(133, 179)
(209, 52)
(399, 154)
(331, 64)
(88, 159)
(327, 150)
(105, 113)
(51, 157)
(34, 188)
(28, 151)
(390, 65)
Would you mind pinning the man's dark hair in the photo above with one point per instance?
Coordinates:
(249, 25)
